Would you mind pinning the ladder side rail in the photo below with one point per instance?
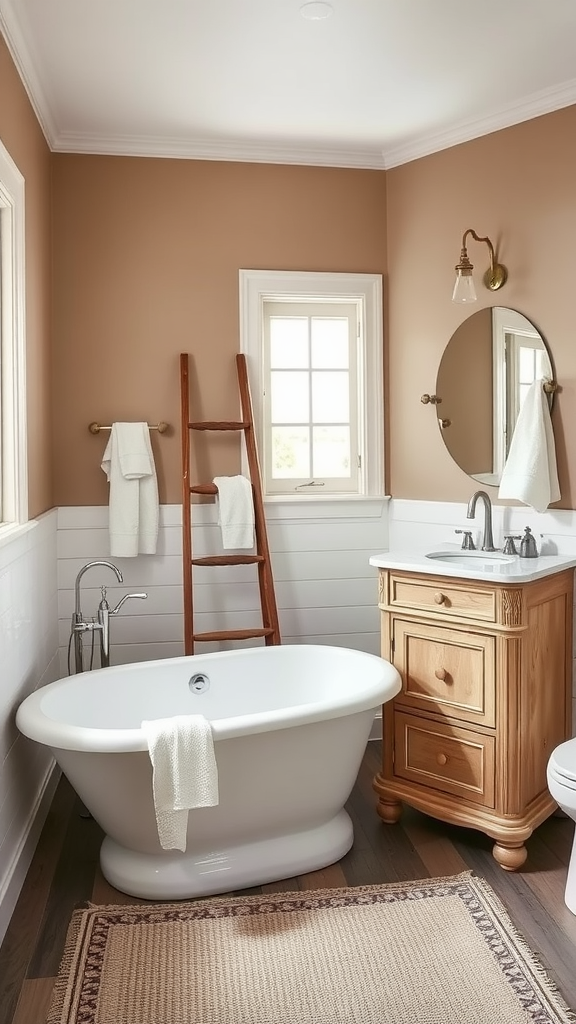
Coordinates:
(265, 577)
(186, 506)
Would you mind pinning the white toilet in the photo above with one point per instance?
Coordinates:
(561, 774)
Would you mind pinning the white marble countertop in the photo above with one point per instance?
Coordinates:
(513, 570)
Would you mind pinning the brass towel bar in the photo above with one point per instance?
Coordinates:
(161, 427)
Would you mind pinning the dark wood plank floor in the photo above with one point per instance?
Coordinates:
(65, 872)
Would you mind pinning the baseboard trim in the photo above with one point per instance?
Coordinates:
(22, 859)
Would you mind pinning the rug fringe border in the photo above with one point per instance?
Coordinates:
(281, 894)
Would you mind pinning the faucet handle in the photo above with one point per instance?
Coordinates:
(509, 546)
(467, 542)
(114, 611)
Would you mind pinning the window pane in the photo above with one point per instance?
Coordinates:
(289, 397)
(526, 367)
(542, 365)
(330, 397)
(290, 452)
(288, 341)
(331, 455)
(330, 343)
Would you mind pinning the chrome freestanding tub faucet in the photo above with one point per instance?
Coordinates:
(488, 540)
(81, 625)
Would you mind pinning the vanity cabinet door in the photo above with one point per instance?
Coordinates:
(445, 671)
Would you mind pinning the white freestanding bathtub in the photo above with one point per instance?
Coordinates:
(290, 726)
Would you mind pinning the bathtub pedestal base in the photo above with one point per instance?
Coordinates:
(172, 875)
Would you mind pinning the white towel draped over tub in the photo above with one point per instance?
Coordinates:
(530, 473)
(235, 511)
(184, 773)
(134, 511)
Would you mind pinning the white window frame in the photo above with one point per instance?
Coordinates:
(259, 286)
(351, 312)
(13, 452)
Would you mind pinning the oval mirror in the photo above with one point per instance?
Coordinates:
(484, 374)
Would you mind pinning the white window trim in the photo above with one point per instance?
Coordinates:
(13, 348)
(257, 286)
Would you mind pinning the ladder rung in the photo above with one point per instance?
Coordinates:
(203, 489)
(233, 634)
(228, 560)
(218, 425)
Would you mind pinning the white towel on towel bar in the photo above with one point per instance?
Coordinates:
(530, 472)
(184, 773)
(235, 511)
(133, 510)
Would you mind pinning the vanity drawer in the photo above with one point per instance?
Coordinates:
(446, 598)
(446, 671)
(456, 761)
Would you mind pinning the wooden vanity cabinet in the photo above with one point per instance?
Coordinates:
(486, 696)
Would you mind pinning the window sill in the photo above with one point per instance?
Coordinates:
(10, 532)
(329, 506)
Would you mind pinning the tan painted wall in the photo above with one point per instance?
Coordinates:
(517, 186)
(146, 257)
(146, 261)
(20, 133)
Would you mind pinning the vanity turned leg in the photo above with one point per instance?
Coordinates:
(509, 856)
(389, 809)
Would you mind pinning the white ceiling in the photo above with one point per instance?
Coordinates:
(376, 84)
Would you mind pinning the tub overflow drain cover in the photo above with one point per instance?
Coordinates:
(199, 683)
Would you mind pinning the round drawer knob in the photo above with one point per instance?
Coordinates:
(440, 673)
(441, 759)
(439, 597)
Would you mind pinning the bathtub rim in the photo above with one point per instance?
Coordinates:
(36, 725)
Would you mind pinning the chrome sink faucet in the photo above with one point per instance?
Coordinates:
(487, 540)
(81, 625)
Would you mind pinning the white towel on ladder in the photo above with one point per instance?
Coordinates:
(134, 511)
(184, 773)
(235, 511)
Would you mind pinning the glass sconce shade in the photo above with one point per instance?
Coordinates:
(494, 278)
(464, 290)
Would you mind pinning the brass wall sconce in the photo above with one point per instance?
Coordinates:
(494, 278)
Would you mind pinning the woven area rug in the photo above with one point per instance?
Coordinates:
(436, 951)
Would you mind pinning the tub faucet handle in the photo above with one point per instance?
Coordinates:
(141, 597)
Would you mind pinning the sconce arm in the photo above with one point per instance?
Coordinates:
(496, 275)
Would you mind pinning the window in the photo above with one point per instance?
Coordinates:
(314, 349)
(13, 491)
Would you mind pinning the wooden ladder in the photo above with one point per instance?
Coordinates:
(270, 628)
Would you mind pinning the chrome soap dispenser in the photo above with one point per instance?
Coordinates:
(528, 547)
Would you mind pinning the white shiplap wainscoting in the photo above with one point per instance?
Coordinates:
(326, 590)
(29, 653)
(425, 525)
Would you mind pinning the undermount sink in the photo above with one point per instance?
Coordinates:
(471, 558)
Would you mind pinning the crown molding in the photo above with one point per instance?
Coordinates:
(544, 102)
(25, 66)
(227, 150)
(376, 157)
